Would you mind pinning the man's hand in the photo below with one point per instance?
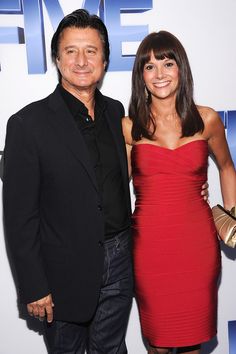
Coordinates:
(205, 191)
(41, 308)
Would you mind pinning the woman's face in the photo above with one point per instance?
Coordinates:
(161, 77)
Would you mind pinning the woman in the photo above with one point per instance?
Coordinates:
(176, 250)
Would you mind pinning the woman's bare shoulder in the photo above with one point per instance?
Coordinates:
(208, 114)
(127, 128)
(127, 122)
(212, 121)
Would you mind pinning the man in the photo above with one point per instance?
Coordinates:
(66, 200)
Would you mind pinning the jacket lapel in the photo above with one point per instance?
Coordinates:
(65, 127)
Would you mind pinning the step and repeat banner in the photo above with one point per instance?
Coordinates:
(207, 29)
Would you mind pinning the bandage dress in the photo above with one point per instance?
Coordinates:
(176, 250)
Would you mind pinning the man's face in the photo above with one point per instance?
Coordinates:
(80, 58)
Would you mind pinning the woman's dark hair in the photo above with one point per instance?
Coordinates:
(163, 45)
(81, 19)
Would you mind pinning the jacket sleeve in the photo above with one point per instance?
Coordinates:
(21, 209)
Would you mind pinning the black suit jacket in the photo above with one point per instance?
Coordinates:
(53, 217)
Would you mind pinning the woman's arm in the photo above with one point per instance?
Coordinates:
(127, 126)
(220, 150)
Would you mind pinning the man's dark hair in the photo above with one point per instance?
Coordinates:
(81, 19)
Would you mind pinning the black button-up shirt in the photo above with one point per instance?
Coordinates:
(104, 159)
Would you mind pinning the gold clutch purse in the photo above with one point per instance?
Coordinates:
(225, 222)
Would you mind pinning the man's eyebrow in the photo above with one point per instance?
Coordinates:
(70, 46)
(86, 46)
(91, 46)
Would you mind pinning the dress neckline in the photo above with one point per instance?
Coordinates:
(177, 148)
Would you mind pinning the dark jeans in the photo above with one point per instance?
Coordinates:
(105, 334)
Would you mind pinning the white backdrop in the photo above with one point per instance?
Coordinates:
(207, 29)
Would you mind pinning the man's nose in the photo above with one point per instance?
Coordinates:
(81, 59)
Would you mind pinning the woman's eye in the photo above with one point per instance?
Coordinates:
(149, 67)
(169, 64)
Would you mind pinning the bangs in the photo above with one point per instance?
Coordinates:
(163, 53)
(160, 47)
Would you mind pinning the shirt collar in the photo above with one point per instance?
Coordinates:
(76, 106)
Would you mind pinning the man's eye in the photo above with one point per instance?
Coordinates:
(70, 51)
(91, 51)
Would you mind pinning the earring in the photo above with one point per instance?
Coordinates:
(146, 93)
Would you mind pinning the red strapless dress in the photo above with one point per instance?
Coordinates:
(176, 250)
